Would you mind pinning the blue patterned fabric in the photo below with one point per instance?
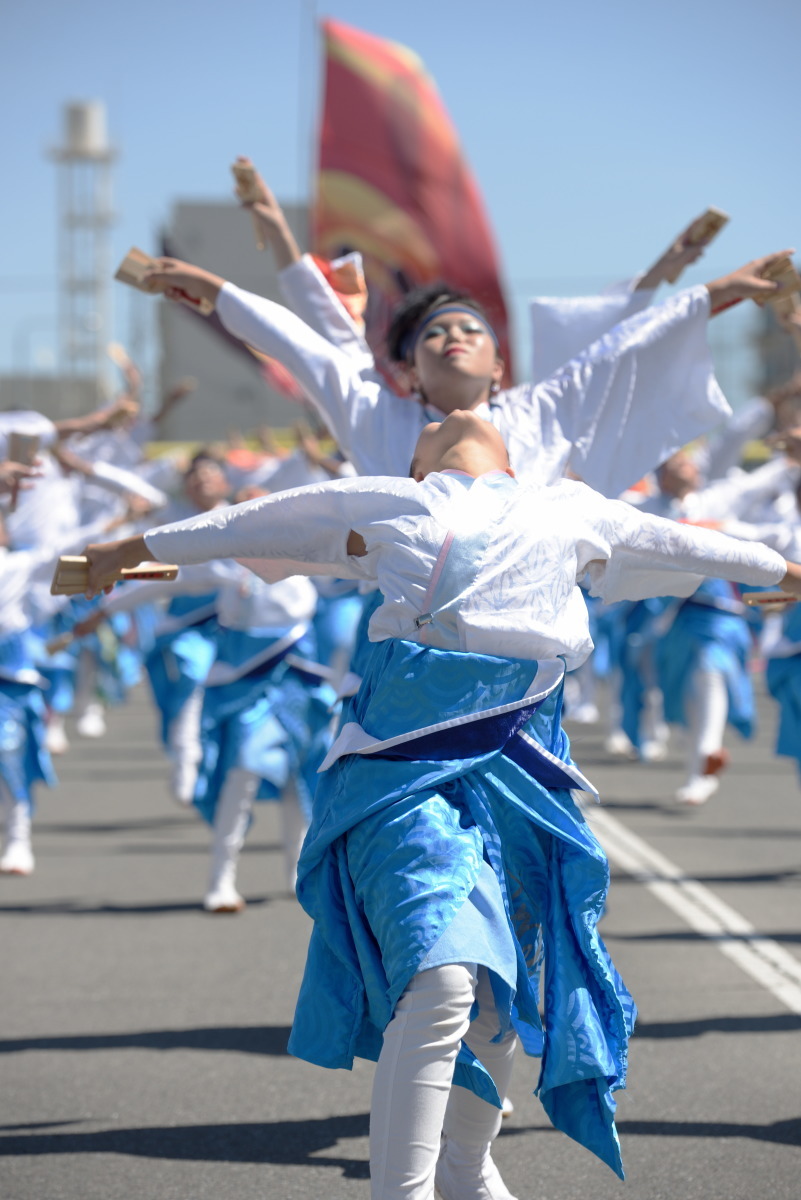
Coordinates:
(398, 845)
(24, 760)
(274, 721)
(177, 664)
(783, 677)
(608, 631)
(704, 637)
(336, 621)
(642, 630)
(362, 648)
(58, 669)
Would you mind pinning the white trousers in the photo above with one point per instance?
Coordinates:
(231, 821)
(707, 711)
(184, 730)
(413, 1103)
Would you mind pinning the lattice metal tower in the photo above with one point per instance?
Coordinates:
(85, 218)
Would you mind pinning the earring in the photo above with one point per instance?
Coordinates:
(495, 387)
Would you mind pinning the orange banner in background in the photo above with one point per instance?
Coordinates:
(393, 183)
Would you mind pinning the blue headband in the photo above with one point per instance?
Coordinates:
(410, 341)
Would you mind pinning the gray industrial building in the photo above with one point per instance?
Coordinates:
(231, 392)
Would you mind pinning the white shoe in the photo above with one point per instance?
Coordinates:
(619, 745)
(698, 790)
(584, 714)
(17, 859)
(92, 723)
(55, 737)
(224, 899)
(653, 750)
(468, 1173)
(222, 896)
(507, 1108)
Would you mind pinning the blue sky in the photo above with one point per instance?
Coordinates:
(596, 130)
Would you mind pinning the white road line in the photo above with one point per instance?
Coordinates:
(760, 957)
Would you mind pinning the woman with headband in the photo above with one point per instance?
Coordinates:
(611, 414)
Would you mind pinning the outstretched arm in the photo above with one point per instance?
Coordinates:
(650, 556)
(306, 531)
(102, 418)
(749, 282)
(669, 266)
(269, 219)
(375, 429)
(645, 388)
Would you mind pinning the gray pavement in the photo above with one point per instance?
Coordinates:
(143, 1042)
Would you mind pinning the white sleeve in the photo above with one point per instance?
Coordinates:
(635, 396)
(744, 494)
(299, 532)
(726, 447)
(562, 327)
(309, 294)
(784, 538)
(117, 479)
(373, 427)
(650, 556)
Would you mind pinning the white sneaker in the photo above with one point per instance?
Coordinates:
(697, 790)
(653, 750)
(224, 898)
(92, 723)
(507, 1108)
(468, 1173)
(17, 859)
(619, 745)
(55, 737)
(584, 714)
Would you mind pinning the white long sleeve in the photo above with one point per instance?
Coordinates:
(119, 480)
(309, 294)
(561, 327)
(301, 531)
(726, 446)
(653, 556)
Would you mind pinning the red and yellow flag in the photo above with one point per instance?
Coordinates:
(393, 183)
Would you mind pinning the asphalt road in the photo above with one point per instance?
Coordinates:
(143, 1041)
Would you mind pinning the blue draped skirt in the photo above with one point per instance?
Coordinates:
(704, 638)
(399, 844)
(24, 760)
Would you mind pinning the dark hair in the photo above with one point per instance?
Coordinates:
(413, 308)
(204, 455)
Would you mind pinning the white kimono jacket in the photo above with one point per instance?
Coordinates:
(612, 413)
(484, 565)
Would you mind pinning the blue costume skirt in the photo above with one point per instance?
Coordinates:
(274, 722)
(336, 621)
(641, 634)
(23, 757)
(176, 665)
(783, 677)
(705, 638)
(463, 843)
